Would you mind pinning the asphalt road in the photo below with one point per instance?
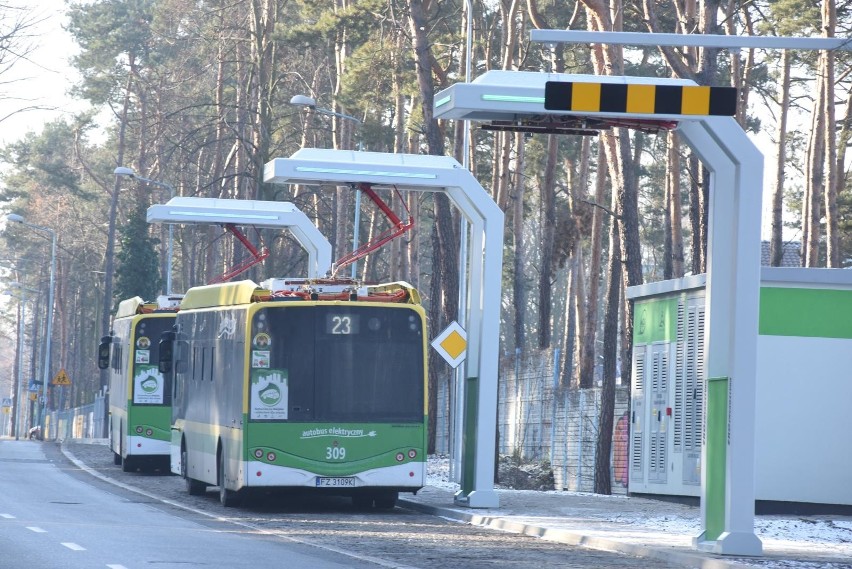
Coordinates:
(53, 517)
(399, 538)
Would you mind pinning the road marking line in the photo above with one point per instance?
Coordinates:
(37, 530)
(7, 516)
(73, 546)
(116, 567)
(277, 533)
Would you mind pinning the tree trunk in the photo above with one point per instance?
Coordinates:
(814, 177)
(519, 296)
(832, 238)
(674, 217)
(603, 478)
(445, 241)
(776, 243)
(548, 228)
(587, 356)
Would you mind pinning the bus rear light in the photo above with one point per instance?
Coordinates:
(139, 430)
(271, 457)
(411, 474)
(412, 453)
(259, 473)
(138, 445)
(400, 457)
(149, 432)
(258, 453)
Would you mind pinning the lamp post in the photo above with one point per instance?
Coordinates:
(310, 103)
(14, 217)
(125, 171)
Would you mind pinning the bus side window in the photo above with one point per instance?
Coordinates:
(181, 353)
(104, 352)
(116, 357)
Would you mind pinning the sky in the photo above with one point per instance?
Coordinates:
(43, 78)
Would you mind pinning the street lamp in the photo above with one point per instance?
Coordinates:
(309, 102)
(14, 217)
(125, 171)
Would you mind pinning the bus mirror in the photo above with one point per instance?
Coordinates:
(166, 349)
(103, 352)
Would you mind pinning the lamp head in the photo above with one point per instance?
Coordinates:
(15, 217)
(124, 171)
(303, 101)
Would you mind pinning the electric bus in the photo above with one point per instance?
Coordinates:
(139, 398)
(303, 385)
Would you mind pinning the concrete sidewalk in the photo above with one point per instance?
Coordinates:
(646, 528)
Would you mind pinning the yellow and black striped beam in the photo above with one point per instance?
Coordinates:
(691, 100)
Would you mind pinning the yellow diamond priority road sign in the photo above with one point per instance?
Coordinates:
(452, 344)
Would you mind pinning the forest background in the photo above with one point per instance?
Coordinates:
(195, 95)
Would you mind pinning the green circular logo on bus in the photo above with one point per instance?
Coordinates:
(270, 395)
(150, 384)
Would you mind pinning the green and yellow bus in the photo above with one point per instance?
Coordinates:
(139, 399)
(314, 386)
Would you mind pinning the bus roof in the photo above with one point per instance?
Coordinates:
(129, 307)
(136, 305)
(247, 292)
(224, 294)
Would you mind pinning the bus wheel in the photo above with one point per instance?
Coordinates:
(116, 458)
(127, 465)
(228, 498)
(386, 500)
(193, 487)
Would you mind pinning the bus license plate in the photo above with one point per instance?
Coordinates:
(335, 482)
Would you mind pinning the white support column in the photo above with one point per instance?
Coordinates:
(733, 296)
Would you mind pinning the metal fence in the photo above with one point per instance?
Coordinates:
(86, 422)
(537, 420)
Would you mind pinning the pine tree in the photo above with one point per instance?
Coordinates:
(138, 272)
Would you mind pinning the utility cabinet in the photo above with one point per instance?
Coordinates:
(668, 389)
(803, 409)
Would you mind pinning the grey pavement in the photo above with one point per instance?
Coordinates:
(646, 528)
(641, 527)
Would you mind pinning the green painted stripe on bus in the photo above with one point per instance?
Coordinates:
(808, 313)
(156, 417)
(655, 321)
(336, 449)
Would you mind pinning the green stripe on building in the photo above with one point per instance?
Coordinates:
(808, 313)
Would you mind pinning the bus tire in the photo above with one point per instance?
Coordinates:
(228, 498)
(386, 500)
(127, 465)
(116, 459)
(193, 487)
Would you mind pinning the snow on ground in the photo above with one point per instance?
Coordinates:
(824, 530)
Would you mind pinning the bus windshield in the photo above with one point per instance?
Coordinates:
(341, 363)
(150, 387)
